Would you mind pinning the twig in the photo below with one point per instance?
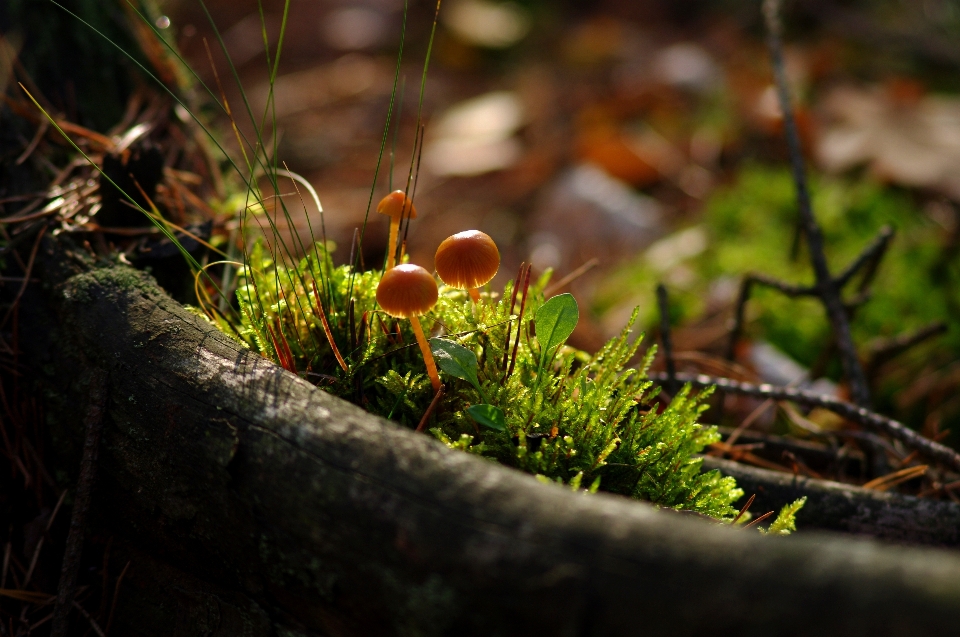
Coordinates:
(326, 329)
(36, 551)
(789, 289)
(887, 349)
(105, 578)
(513, 302)
(826, 286)
(116, 596)
(746, 287)
(883, 483)
(869, 257)
(6, 560)
(742, 298)
(88, 472)
(83, 611)
(523, 305)
(744, 509)
(758, 520)
(861, 415)
(579, 272)
(26, 276)
(663, 304)
(749, 420)
(430, 409)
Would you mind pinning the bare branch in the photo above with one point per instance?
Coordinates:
(827, 288)
(664, 306)
(887, 349)
(861, 415)
(870, 258)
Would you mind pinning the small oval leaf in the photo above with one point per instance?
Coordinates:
(488, 416)
(556, 320)
(455, 359)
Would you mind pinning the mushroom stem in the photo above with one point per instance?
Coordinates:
(475, 295)
(427, 354)
(392, 242)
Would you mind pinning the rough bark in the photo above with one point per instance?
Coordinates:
(300, 514)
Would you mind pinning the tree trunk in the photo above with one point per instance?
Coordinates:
(258, 504)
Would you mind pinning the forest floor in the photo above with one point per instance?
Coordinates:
(626, 145)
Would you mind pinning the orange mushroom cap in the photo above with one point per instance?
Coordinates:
(407, 290)
(467, 259)
(395, 204)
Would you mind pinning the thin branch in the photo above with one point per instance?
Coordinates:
(746, 287)
(571, 277)
(664, 306)
(433, 405)
(888, 349)
(116, 596)
(789, 289)
(860, 415)
(36, 551)
(88, 472)
(89, 618)
(869, 257)
(826, 286)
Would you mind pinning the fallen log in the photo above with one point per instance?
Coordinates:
(833, 506)
(260, 495)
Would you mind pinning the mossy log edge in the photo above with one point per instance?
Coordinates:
(306, 515)
(833, 506)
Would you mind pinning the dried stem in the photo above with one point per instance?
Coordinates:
(433, 406)
(513, 302)
(523, 305)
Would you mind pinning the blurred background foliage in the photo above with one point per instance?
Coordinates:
(640, 141)
(644, 139)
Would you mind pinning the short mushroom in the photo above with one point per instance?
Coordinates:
(407, 291)
(396, 205)
(467, 260)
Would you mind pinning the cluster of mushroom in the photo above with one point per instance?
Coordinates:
(466, 260)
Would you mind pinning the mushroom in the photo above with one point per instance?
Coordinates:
(407, 291)
(467, 260)
(396, 205)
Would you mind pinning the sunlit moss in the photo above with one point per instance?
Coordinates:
(586, 422)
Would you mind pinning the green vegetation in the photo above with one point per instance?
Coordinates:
(749, 227)
(786, 522)
(551, 410)
(515, 392)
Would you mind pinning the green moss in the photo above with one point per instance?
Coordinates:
(80, 287)
(749, 227)
(575, 419)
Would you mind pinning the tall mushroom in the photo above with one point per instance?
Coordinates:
(467, 260)
(396, 205)
(407, 291)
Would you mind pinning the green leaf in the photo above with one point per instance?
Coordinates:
(488, 416)
(556, 320)
(455, 359)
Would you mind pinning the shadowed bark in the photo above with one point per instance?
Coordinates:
(250, 496)
(834, 506)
